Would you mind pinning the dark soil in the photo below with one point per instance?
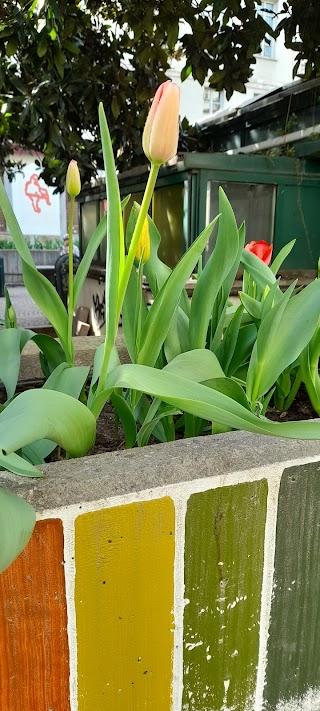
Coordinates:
(301, 409)
(107, 439)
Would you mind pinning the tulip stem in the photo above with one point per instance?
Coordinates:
(123, 283)
(70, 282)
(136, 234)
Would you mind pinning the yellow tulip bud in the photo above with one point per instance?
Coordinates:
(143, 248)
(73, 182)
(161, 131)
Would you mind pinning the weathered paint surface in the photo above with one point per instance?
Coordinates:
(223, 579)
(34, 656)
(124, 601)
(293, 668)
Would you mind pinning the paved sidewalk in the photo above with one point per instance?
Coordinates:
(28, 314)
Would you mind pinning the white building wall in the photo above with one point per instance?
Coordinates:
(38, 210)
(268, 74)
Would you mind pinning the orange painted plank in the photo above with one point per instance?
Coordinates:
(124, 602)
(34, 655)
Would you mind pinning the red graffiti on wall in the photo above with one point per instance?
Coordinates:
(35, 192)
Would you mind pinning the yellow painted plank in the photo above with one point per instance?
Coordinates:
(124, 603)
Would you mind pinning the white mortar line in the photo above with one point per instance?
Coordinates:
(177, 681)
(174, 490)
(69, 571)
(267, 581)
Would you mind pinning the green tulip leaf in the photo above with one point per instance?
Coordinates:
(283, 254)
(252, 306)
(214, 273)
(17, 521)
(220, 306)
(151, 422)
(230, 339)
(18, 465)
(197, 365)
(10, 359)
(127, 419)
(258, 270)
(157, 323)
(115, 236)
(114, 361)
(46, 414)
(68, 380)
(284, 333)
(84, 266)
(46, 297)
(178, 338)
(204, 402)
(51, 352)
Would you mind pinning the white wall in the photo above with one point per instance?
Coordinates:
(268, 74)
(38, 211)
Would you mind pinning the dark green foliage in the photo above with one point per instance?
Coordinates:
(60, 58)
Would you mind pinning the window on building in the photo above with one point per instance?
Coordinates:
(253, 203)
(266, 10)
(211, 100)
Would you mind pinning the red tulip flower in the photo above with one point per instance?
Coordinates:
(261, 249)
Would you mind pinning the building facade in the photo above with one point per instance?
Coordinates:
(41, 213)
(273, 69)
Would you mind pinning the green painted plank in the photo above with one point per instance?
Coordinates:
(223, 580)
(293, 667)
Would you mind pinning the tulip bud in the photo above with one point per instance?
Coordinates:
(143, 248)
(161, 131)
(12, 320)
(73, 182)
(11, 314)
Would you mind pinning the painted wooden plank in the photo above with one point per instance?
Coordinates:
(223, 580)
(34, 657)
(124, 603)
(293, 669)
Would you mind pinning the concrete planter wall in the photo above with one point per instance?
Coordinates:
(183, 576)
(12, 262)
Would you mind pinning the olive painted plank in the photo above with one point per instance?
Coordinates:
(124, 603)
(223, 580)
(293, 667)
(34, 656)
